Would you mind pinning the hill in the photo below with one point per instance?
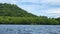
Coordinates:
(12, 14)
(13, 10)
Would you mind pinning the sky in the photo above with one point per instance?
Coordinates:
(50, 8)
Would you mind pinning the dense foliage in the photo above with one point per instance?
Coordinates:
(13, 10)
(58, 19)
(12, 14)
(27, 20)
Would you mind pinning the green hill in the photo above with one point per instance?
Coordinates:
(12, 14)
(13, 10)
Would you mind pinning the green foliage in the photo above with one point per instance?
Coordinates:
(58, 19)
(12, 14)
(13, 10)
(27, 20)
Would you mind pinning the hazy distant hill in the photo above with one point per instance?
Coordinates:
(13, 10)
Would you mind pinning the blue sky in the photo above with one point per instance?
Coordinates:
(50, 8)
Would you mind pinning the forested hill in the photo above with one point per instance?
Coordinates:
(13, 10)
(12, 14)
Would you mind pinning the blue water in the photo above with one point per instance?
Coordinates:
(29, 29)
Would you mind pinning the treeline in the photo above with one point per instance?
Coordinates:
(28, 20)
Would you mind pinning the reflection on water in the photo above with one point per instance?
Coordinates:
(29, 29)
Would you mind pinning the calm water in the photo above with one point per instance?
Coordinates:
(29, 29)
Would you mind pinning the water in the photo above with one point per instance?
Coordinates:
(29, 29)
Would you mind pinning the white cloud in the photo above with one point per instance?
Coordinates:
(55, 10)
(6, 1)
(52, 12)
(51, 1)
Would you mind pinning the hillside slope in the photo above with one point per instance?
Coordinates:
(13, 10)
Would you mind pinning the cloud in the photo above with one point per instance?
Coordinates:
(51, 1)
(52, 12)
(55, 10)
(6, 1)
